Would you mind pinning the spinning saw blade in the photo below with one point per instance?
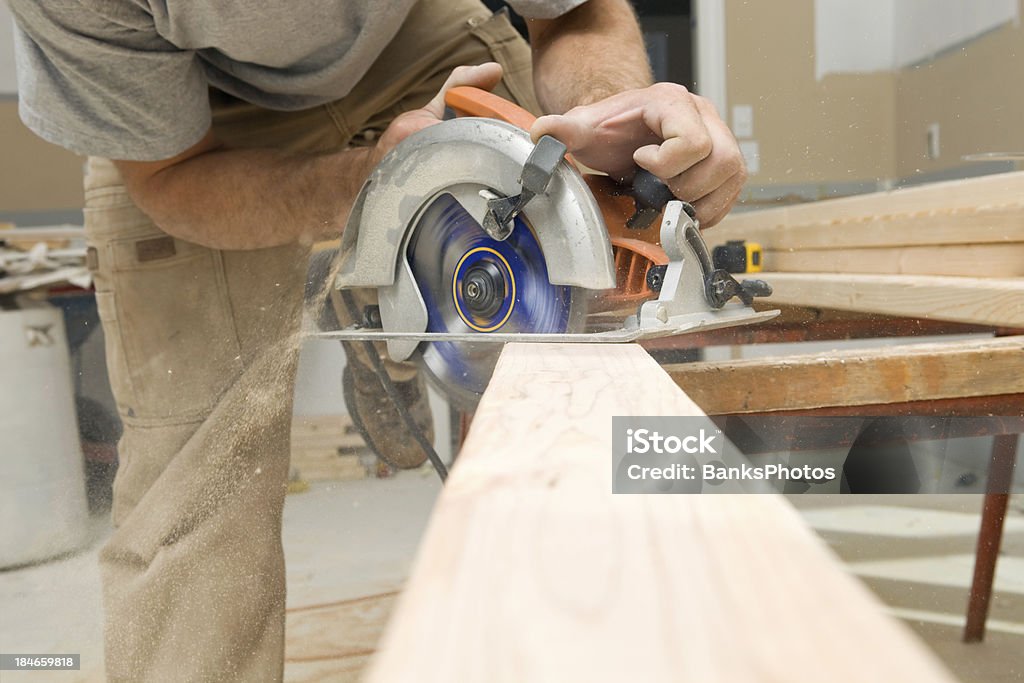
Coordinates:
(470, 283)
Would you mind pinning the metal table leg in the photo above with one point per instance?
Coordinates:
(990, 536)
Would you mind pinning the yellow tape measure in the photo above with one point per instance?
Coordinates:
(738, 256)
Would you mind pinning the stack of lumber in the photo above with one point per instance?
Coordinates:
(948, 251)
(37, 258)
(327, 448)
(55, 237)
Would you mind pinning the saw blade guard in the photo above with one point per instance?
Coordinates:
(472, 154)
(415, 234)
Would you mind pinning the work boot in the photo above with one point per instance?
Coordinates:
(378, 420)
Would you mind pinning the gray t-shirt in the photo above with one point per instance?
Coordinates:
(128, 79)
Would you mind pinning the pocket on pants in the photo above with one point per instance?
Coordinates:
(117, 364)
(174, 348)
(511, 50)
(177, 325)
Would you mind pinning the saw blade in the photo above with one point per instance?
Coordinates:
(471, 283)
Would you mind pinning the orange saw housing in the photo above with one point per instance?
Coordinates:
(635, 251)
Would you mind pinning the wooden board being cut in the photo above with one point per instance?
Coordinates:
(884, 375)
(531, 570)
(997, 302)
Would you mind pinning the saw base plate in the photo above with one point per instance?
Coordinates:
(618, 336)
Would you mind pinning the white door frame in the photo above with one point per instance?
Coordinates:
(709, 38)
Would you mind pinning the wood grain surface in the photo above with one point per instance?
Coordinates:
(1004, 260)
(531, 570)
(888, 374)
(997, 302)
(988, 209)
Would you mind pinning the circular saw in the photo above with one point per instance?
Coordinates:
(473, 235)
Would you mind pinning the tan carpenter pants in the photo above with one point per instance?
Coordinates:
(201, 348)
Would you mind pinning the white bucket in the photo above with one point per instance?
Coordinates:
(43, 510)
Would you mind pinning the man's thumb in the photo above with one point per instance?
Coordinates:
(484, 76)
(572, 132)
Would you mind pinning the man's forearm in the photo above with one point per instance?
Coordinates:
(254, 198)
(590, 53)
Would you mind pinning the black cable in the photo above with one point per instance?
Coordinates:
(392, 391)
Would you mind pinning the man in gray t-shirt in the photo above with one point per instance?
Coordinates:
(224, 138)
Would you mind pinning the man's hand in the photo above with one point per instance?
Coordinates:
(674, 134)
(484, 76)
(591, 64)
(663, 128)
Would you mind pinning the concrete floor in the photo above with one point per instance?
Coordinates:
(917, 554)
(349, 546)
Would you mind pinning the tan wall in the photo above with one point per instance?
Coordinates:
(868, 127)
(975, 96)
(836, 130)
(35, 175)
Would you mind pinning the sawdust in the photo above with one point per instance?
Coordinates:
(211, 525)
(211, 520)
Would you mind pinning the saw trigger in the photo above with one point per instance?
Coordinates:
(650, 195)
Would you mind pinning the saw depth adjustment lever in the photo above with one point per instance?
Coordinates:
(719, 285)
(535, 177)
(652, 195)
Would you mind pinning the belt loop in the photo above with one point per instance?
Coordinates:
(92, 259)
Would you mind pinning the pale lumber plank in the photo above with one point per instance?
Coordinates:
(1000, 189)
(531, 570)
(332, 423)
(969, 211)
(346, 443)
(984, 301)
(23, 283)
(41, 234)
(327, 448)
(779, 229)
(883, 375)
(342, 469)
(962, 260)
(325, 431)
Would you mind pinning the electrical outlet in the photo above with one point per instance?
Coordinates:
(751, 155)
(933, 149)
(743, 121)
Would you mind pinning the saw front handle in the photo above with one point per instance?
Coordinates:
(630, 218)
(649, 192)
(466, 100)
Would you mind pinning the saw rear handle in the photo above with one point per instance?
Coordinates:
(649, 193)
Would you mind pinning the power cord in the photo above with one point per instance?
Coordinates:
(392, 391)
